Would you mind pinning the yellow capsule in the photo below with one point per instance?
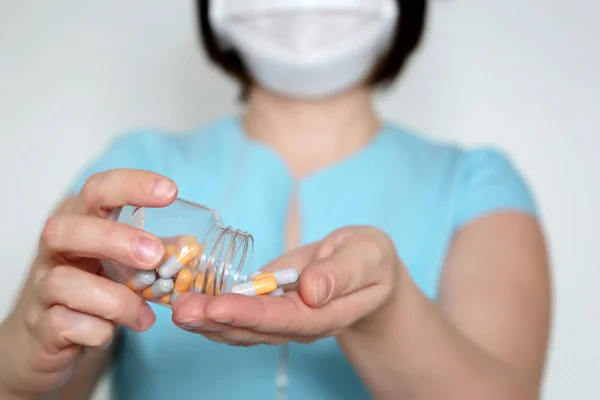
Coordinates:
(166, 299)
(158, 289)
(284, 277)
(177, 262)
(256, 287)
(189, 252)
(141, 280)
(183, 282)
(199, 282)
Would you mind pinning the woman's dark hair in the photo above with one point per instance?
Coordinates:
(407, 36)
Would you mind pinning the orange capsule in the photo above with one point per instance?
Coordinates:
(170, 251)
(166, 299)
(176, 262)
(158, 289)
(210, 283)
(256, 287)
(189, 252)
(199, 282)
(181, 241)
(183, 282)
(141, 280)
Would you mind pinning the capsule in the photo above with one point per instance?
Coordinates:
(284, 277)
(183, 283)
(184, 240)
(175, 263)
(141, 280)
(210, 283)
(166, 299)
(199, 282)
(256, 287)
(277, 293)
(170, 251)
(158, 289)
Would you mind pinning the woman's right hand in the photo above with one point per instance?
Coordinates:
(67, 303)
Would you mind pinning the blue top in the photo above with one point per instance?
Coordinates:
(418, 191)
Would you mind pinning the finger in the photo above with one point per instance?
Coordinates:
(282, 315)
(108, 190)
(189, 313)
(91, 237)
(94, 295)
(347, 270)
(60, 328)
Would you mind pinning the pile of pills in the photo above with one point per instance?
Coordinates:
(270, 283)
(182, 271)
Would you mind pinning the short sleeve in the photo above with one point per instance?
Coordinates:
(123, 152)
(489, 182)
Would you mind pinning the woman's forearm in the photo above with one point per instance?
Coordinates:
(411, 351)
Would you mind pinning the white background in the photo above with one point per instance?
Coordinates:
(521, 74)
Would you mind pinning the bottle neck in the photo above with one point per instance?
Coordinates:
(228, 258)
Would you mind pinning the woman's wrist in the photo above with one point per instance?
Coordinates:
(7, 391)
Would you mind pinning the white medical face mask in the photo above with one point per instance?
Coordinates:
(306, 48)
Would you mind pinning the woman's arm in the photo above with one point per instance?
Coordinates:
(487, 336)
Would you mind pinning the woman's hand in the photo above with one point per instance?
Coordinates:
(67, 304)
(346, 281)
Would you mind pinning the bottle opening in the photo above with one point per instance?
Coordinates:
(222, 266)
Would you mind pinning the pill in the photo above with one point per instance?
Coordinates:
(183, 282)
(173, 297)
(284, 277)
(210, 282)
(199, 283)
(277, 293)
(256, 287)
(182, 241)
(170, 251)
(175, 263)
(158, 289)
(166, 299)
(141, 280)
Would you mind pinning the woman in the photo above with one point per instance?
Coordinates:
(423, 267)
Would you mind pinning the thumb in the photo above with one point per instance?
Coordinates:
(343, 272)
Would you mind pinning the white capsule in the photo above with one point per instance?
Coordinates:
(162, 287)
(141, 280)
(170, 268)
(174, 297)
(277, 293)
(284, 277)
(256, 287)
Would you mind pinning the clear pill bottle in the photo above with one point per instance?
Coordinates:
(201, 254)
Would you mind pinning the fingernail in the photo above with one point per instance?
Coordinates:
(148, 251)
(193, 324)
(163, 188)
(223, 320)
(107, 345)
(147, 318)
(321, 289)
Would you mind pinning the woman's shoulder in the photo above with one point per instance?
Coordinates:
(476, 180)
(159, 150)
(424, 149)
(155, 144)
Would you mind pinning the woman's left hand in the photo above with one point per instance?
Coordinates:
(345, 279)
